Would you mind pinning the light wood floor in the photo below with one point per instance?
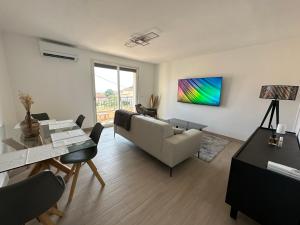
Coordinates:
(139, 190)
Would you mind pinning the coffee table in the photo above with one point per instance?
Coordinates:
(184, 124)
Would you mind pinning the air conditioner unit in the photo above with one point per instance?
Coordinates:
(55, 50)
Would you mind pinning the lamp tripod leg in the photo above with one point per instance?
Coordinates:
(277, 113)
(266, 115)
(272, 114)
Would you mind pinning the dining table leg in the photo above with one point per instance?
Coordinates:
(36, 168)
(69, 175)
(46, 165)
(56, 163)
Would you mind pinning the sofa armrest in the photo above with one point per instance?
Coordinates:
(181, 146)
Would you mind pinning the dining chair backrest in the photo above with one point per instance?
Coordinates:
(28, 199)
(40, 116)
(80, 120)
(96, 132)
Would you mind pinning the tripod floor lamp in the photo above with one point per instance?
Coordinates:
(276, 93)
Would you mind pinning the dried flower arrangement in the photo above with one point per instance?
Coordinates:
(30, 127)
(154, 101)
(26, 100)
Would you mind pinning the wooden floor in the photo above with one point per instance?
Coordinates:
(139, 190)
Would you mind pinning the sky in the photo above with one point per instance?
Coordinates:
(107, 79)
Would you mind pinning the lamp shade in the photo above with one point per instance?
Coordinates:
(280, 92)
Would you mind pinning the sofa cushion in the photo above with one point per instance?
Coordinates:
(179, 147)
(149, 133)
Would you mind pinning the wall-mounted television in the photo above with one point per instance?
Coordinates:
(203, 91)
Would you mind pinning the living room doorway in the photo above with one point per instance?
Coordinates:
(115, 88)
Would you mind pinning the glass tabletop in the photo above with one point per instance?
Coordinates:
(13, 145)
(184, 124)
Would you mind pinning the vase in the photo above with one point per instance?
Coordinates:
(30, 127)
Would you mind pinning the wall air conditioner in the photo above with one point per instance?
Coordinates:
(58, 50)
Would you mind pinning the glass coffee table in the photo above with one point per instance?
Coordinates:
(184, 124)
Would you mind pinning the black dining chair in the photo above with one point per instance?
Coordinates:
(35, 197)
(83, 156)
(80, 120)
(145, 111)
(40, 116)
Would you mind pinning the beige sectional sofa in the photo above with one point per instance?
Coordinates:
(157, 138)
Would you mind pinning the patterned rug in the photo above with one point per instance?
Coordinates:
(211, 146)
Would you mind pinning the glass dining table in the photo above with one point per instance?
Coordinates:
(17, 151)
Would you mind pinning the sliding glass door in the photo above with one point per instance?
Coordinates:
(115, 88)
(127, 84)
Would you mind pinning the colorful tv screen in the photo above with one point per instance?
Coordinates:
(203, 91)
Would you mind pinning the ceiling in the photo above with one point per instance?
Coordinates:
(186, 27)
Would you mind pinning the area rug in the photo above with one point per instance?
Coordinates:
(211, 146)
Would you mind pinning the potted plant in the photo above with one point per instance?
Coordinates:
(30, 127)
(153, 101)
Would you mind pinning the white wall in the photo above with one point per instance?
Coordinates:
(7, 106)
(59, 87)
(7, 110)
(244, 70)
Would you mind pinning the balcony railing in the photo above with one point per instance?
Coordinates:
(106, 107)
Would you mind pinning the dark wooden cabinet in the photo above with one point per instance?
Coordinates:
(267, 197)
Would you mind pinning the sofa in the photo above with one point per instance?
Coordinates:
(157, 138)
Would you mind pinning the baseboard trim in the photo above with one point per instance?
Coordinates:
(223, 136)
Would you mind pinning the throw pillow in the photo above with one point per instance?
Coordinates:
(177, 130)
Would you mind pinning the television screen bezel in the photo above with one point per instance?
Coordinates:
(220, 101)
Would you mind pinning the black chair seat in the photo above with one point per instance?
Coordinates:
(83, 156)
(61, 181)
(29, 198)
(79, 156)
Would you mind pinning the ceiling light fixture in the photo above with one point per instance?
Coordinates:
(141, 39)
